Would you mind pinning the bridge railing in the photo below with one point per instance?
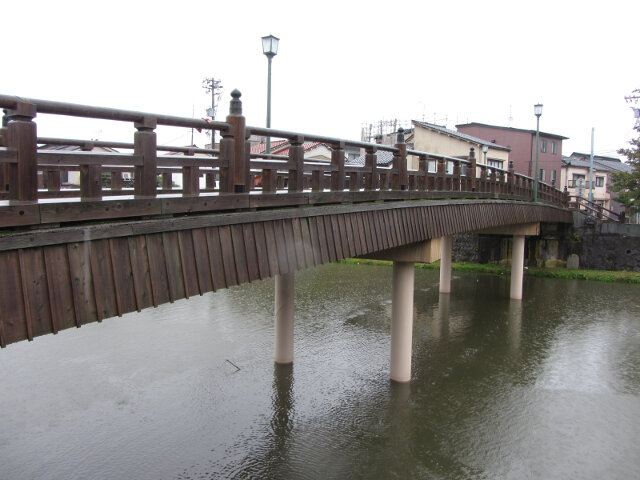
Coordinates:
(29, 174)
(595, 210)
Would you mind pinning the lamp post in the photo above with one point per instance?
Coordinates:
(537, 110)
(270, 49)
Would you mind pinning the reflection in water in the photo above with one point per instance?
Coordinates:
(548, 387)
(514, 325)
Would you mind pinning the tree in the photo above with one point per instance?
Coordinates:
(628, 183)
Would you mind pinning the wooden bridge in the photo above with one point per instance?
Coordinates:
(74, 255)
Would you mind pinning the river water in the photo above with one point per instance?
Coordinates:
(546, 388)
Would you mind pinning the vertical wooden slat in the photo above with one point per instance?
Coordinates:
(322, 240)
(216, 262)
(171, 251)
(202, 261)
(25, 296)
(141, 271)
(187, 261)
(289, 240)
(13, 320)
(36, 294)
(306, 242)
(122, 275)
(328, 230)
(250, 252)
(272, 250)
(355, 228)
(281, 246)
(59, 287)
(262, 255)
(84, 302)
(298, 242)
(158, 270)
(334, 235)
(239, 253)
(228, 259)
(315, 241)
(102, 279)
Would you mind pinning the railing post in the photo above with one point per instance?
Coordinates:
(296, 164)
(240, 155)
(4, 168)
(145, 180)
(440, 172)
(455, 181)
(90, 178)
(512, 178)
(190, 178)
(116, 180)
(400, 179)
(473, 175)
(422, 175)
(371, 163)
(22, 136)
(337, 162)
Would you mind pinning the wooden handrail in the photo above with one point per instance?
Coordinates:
(25, 169)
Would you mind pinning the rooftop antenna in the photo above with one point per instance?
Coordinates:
(510, 116)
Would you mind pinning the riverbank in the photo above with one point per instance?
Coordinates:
(495, 269)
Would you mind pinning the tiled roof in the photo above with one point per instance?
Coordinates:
(462, 136)
(262, 147)
(600, 163)
(307, 146)
(383, 159)
(74, 148)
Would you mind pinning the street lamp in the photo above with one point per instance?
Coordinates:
(537, 110)
(270, 49)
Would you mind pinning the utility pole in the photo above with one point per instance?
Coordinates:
(633, 98)
(212, 86)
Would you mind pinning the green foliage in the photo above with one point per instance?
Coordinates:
(627, 184)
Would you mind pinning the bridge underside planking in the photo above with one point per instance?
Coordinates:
(53, 280)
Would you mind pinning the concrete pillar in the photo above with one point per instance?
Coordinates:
(402, 321)
(517, 267)
(284, 318)
(445, 264)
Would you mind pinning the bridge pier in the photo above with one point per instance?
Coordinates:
(402, 321)
(446, 245)
(517, 267)
(284, 295)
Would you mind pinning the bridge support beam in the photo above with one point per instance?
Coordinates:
(446, 244)
(284, 295)
(517, 267)
(402, 321)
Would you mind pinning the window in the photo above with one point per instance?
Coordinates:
(554, 147)
(599, 181)
(541, 177)
(495, 163)
(553, 177)
(543, 146)
(577, 181)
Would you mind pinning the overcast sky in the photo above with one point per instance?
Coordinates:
(341, 63)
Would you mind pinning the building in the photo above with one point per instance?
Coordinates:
(71, 177)
(428, 137)
(437, 139)
(522, 144)
(575, 178)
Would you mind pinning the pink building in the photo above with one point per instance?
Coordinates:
(523, 148)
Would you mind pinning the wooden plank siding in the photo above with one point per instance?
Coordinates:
(65, 282)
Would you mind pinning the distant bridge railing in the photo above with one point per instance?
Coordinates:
(30, 176)
(595, 210)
